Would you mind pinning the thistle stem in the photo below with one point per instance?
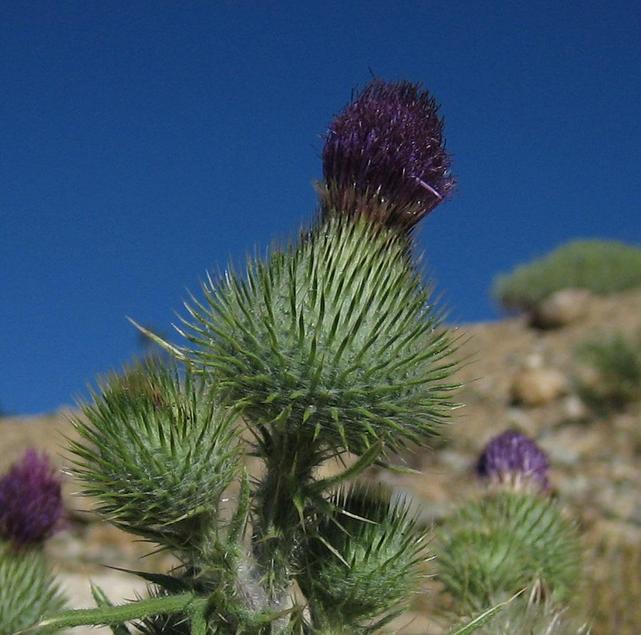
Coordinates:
(114, 615)
(290, 462)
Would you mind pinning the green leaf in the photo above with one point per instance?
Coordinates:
(174, 351)
(113, 615)
(483, 618)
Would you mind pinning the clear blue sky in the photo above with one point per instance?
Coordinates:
(142, 143)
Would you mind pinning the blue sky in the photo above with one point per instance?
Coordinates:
(142, 143)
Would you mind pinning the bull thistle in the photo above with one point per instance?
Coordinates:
(514, 537)
(31, 511)
(326, 348)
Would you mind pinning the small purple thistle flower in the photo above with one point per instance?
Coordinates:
(384, 156)
(514, 458)
(30, 500)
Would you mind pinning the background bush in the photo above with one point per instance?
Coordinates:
(601, 266)
(616, 360)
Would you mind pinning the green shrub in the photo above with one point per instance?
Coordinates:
(601, 266)
(616, 360)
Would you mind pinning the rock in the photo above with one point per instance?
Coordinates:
(561, 308)
(574, 409)
(533, 360)
(570, 445)
(521, 420)
(413, 623)
(538, 386)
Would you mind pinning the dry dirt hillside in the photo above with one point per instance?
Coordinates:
(514, 376)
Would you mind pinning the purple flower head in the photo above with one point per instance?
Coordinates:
(514, 458)
(30, 500)
(384, 156)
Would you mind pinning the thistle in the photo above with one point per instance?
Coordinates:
(384, 156)
(30, 500)
(514, 459)
(340, 352)
(507, 541)
(157, 454)
(30, 511)
(341, 346)
(328, 347)
(365, 559)
(512, 538)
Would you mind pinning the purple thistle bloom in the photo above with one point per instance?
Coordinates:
(30, 500)
(384, 156)
(514, 458)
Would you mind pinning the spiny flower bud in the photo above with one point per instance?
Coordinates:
(368, 558)
(514, 458)
(504, 542)
(384, 156)
(30, 500)
(156, 452)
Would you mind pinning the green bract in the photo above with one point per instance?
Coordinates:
(28, 591)
(505, 542)
(366, 559)
(523, 617)
(157, 453)
(334, 341)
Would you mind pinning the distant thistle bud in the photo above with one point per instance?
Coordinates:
(505, 542)
(30, 500)
(512, 457)
(28, 589)
(384, 156)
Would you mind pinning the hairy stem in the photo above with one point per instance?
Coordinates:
(280, 507)
(114, 615)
